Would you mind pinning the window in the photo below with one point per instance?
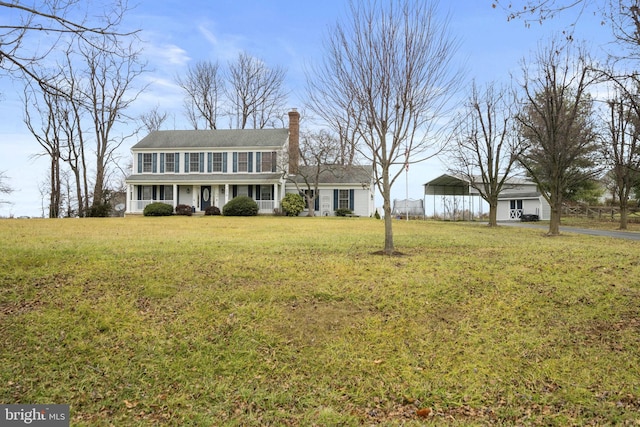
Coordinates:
(243, 162)
(265, 192)
(194, 162)
(343, 199)
(268, 162)
(167, 192)
(217, 162)
(169, 162)
(147, 162)
(147, 192)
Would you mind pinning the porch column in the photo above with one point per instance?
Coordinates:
(276, 199)
(226, 194)
(175, 195)
(128, 198)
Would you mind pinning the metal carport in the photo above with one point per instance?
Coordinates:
(452, 189)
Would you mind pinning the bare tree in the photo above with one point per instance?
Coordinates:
(319, 152)
(622, 149)
(40, 116)
(486, 146)
(557, 124)
(108, 92)
(336, 109)
(255, 92)
(622, 16)
(203, 85)
(5, 188)
(59, 19)
(153, 119)
(394, 60)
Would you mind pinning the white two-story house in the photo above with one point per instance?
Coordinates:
(201, 168)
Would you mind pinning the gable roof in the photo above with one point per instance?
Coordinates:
(335, 174)
(220, 138)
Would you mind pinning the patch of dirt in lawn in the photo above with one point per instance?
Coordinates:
(308, 322)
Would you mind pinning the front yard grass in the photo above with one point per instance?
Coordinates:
(292, 321)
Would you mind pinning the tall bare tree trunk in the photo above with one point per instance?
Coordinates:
(624, 213)
(493, 213)
(389, 248)
(554, 221)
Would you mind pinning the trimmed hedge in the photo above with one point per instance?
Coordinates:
(212, 210)
(184, 210)
(343, 212)
(240, 206)
(158, 209)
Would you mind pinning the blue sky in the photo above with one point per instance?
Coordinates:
(282, 33)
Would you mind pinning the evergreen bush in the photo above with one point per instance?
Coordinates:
(343, 212)
(240, 206)
(158, 209)
(185, 210)
(293, 204)
(212, 210)
(101, 210)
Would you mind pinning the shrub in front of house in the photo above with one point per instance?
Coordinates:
(212, 210)
(185, 210)
(158, 209)
(343, 212)
(240, 206)
(292, 204)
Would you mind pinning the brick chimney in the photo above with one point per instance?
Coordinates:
(294, 140)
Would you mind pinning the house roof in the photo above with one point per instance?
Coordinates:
(221, 138)
(521, 195)
(335, 174)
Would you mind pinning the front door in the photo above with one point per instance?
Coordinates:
(205, 197)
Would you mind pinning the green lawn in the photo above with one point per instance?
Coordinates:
(292, 321)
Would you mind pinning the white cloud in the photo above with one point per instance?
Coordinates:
(166, 54)
(225, 47)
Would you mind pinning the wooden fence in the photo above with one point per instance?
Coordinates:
(600, 212)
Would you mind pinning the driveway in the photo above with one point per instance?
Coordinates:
(629, 235)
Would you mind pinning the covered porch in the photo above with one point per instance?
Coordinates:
(201, 194)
